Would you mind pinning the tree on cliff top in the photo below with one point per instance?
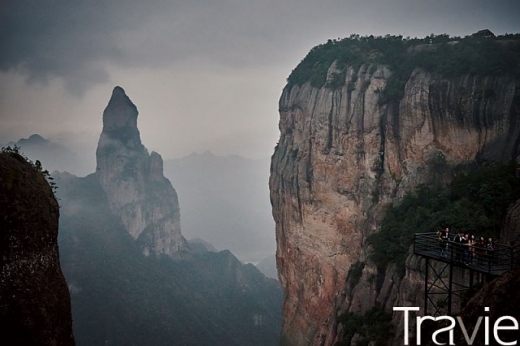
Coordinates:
(440, 54)
(15, 152)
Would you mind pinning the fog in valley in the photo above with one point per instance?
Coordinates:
(204, 76)
(224, 200)
(199, 83)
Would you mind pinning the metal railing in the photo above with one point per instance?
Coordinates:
(501, 259)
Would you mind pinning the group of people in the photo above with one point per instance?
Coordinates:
(466, 247)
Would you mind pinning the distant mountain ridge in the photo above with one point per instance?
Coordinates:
(225, 200)
(232, 191)
(53, 155)
(268, 267)
(122, 297)
(133, 278)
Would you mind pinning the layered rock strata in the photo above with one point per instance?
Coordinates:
(134, 183)
(344, 153)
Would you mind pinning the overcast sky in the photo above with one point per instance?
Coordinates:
(203, 74)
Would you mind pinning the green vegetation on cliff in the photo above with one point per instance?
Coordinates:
(374, 327)
(475, 203)
(17, 154)
(440, 54)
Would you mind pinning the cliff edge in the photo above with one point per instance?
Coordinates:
(34, 299)
(363, 121)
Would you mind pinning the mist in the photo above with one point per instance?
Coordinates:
(205, 75)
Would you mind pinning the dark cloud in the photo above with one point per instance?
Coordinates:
(69, 39)
(77, 40)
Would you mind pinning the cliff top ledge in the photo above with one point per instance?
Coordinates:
(483, 54)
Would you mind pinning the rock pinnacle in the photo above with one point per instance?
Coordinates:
(133, 181)
(120, 112)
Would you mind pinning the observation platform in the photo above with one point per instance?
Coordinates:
(492, 262)
(445, 291)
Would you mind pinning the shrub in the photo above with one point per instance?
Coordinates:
(474, 202)
(15, 152)
(354, 273)
(439, 54)
(374, 326)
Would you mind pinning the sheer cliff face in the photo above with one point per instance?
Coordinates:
(134, 183)
(34, 300)
(344, 153)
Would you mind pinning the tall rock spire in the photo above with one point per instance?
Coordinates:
(134, 182)
(120, 112)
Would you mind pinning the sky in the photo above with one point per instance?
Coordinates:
(204, 75)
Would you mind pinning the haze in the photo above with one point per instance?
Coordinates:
(203, 74)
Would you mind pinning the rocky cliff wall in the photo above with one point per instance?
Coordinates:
(344, 153)
(34, 300)
(134, 183)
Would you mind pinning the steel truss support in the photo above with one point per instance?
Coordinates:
(443, 295)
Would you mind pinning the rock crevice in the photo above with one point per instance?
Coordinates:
(346, 152)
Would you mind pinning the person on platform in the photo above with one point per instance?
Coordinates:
(457, 246)
(480, 250)
(444, 241)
